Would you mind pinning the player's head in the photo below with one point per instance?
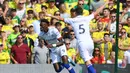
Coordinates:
(44, 25)
(79, 11)
(73, 13)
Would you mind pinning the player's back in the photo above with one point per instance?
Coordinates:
(80, 26)
(81, 29)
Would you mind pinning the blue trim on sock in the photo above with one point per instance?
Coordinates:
(91, 69)
(68, 66)
(60, 69)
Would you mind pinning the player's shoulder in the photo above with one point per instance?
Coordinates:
(52, 29)
(41, 34)
(35, 22)
(78, 18)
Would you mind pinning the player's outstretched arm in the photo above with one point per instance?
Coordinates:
(56, 17)
(100, 9)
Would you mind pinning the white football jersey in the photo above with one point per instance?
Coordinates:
(80, 26)
(51, 36)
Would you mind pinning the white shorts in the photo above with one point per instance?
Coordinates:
(58, 53)
(86, 50)
(127, 54)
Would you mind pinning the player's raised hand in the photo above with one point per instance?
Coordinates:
(56, 17)
(101, 8)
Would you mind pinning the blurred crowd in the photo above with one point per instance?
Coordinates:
(20, 23)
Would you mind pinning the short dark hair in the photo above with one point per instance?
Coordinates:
(61, 3)
(23, 31)
(30, 12)
(106, 34)
(41, 13)
(113, 12)
(45, 20)
(71, 30)
(43, 6)
(56, 12)
(58, 23)
(72, 10)
(13, 10)
(79, 10)
(106, 9)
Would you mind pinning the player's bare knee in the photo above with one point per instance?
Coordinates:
(65, 59)
(56, 66)
(88, 62)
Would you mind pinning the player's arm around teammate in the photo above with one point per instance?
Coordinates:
(95, 13)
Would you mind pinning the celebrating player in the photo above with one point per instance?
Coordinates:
(54, 41)
(80, 26)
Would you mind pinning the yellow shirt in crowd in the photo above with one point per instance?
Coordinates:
(109, 48)
(70, 5)
(37, 7)
(30, 22)
(79, 60)
(5, 45)
(125, 42)
(4, 57)
(32, 36)
(71, 52)
(8, 29)
(93, 24)
(52, 10)
(12, 4)
(98, 35)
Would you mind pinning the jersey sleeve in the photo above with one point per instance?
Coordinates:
(57, 33)
(89, 18)
(68, 20)
(40, 35)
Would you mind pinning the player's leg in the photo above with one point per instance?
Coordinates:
(88, 63)
(90, 67)
(86, 53)
(66, 64)
(64, 57)
(58, 67)
(56, 62)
